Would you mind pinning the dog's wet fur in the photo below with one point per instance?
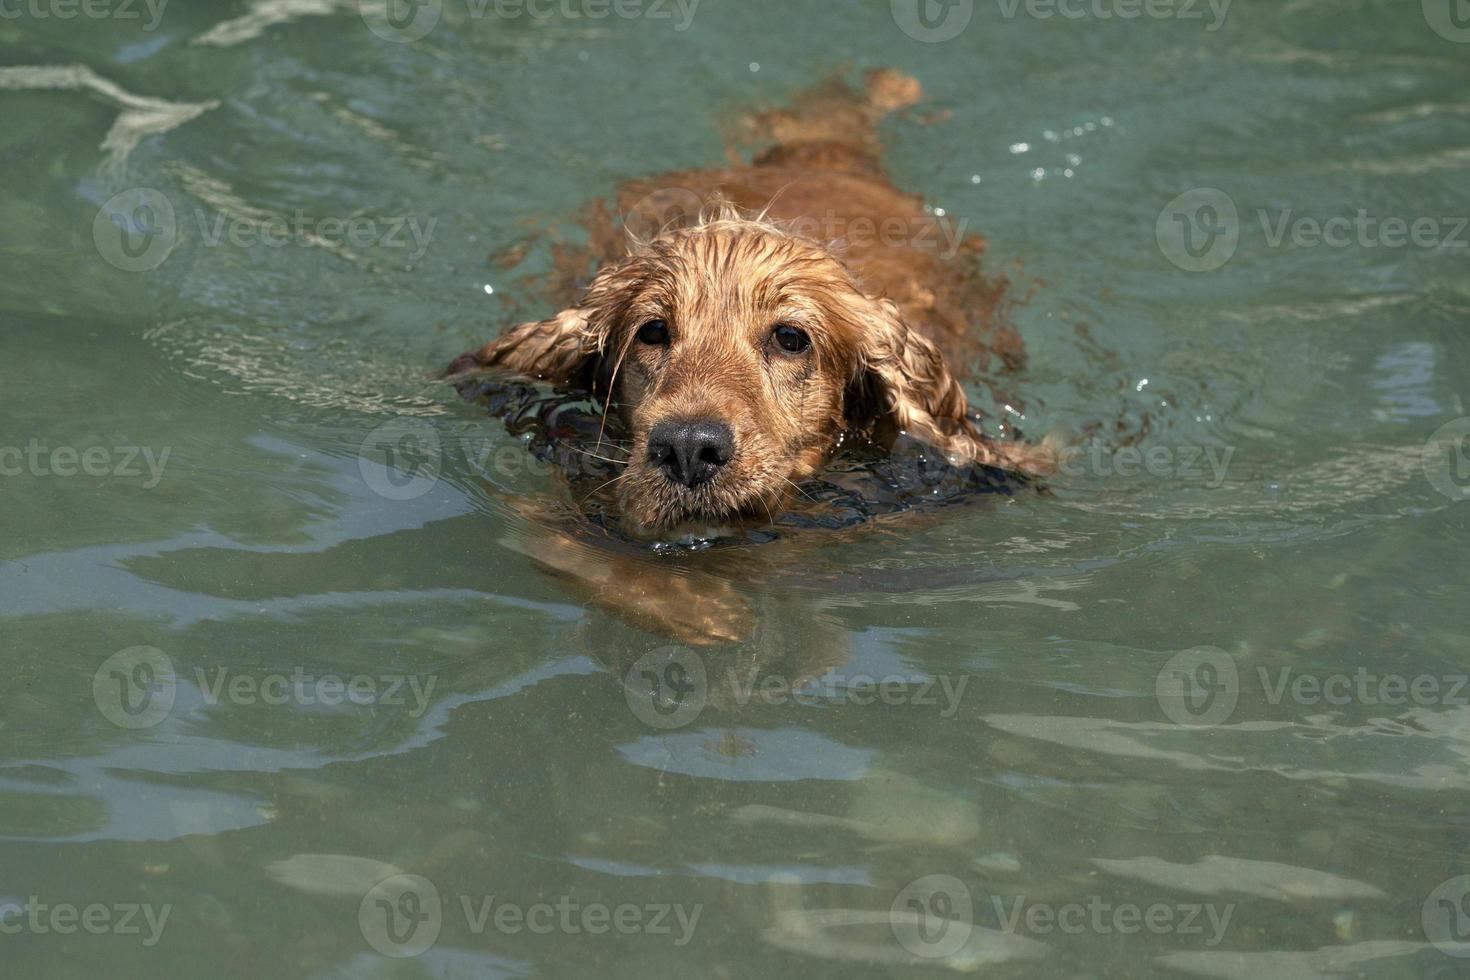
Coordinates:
(749, 376)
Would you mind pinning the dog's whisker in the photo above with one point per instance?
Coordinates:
(792, 483)
(769, 515)
(612, 386)
(605, 486)
(605, 459)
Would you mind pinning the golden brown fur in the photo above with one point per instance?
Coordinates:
(880, 309)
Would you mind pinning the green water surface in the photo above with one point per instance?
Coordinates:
(268, 708)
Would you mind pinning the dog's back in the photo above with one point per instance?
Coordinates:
(820, 174)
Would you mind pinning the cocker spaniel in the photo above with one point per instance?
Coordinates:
(743, 324)
(740, 348)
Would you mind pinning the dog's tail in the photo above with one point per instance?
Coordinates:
(831, 119)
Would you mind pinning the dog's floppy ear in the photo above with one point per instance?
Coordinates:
(903, 378)
(565, 349)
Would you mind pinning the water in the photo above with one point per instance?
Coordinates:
(1217, 684)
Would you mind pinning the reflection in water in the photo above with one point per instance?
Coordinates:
(140, 116)
(265, 14)
(795, 808)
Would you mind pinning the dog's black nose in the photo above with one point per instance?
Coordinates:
(691, 452)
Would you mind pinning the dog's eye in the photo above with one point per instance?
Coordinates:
(790, 339)
(654, 333)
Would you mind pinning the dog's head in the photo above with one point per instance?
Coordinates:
(737, 353)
